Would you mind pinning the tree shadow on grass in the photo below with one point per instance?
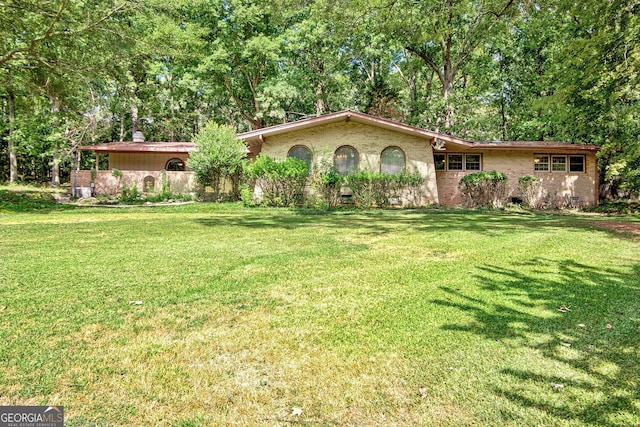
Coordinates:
(491, 223)
(581, 320)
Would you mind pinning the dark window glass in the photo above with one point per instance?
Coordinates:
(576, 163)
(175, 165)
(455, 162)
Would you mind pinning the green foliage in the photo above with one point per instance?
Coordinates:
(129, 193)
(462, 303)
(27, 201)
(282, 182)
(371, 189)
(326, 183)
(487, 188)
(616, 207)
(531, 191)
(246, 195)
(219, 155)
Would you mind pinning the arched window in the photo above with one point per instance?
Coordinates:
(346, 160)
(303, 153)
(175, 165)
(392, 160)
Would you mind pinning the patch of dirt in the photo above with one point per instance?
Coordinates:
(624, 227)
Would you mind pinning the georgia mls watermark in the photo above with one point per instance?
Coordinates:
(31, 416)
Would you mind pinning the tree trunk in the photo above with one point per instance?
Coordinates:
(322, 105)
(134, 117)
(55, 161)
(13, 157)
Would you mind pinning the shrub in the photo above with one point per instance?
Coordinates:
(484, 189)
(129, 193)
(531, 191)
(219, 155)
(377, 188)
(282, 182)
(326, 183)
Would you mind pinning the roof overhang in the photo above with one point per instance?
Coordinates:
(141, 147)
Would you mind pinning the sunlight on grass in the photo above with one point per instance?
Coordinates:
(222, 315)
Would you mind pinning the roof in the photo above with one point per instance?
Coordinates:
(533, 145)
(256, 137)
(141, 147)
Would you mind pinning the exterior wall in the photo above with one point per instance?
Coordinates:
(106, 183)
(581, 186)
(369, 141)
(142, 161)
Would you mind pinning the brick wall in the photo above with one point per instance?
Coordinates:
(369, 141)
(106, 183)
(515, 164)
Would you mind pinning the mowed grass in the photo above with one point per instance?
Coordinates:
(222, 315)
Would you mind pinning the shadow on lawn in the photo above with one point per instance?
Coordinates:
(490, 223)
(599, 379)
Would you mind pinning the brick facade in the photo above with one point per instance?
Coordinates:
(369, 142)
(580, 187)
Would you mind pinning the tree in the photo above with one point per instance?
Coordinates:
(443, 34)
(219, 155)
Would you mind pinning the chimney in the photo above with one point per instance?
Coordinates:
(138, 136)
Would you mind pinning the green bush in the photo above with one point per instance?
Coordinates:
(129, 193)
(531, 191)
(326, 183)
(282, 182)
(371, 189)
(219, 155)
(484, 189)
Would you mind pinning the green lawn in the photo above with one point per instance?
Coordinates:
(223, 315)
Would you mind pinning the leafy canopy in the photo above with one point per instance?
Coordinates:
(219, 154)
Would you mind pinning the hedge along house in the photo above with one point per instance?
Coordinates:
(355, 141)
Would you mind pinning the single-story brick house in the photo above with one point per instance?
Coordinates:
(357, 141)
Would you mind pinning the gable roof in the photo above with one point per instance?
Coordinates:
(256, 137)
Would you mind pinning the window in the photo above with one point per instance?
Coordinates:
(541, 163)
(472, 162)
(455, 162)
(346, 160)
(558, 163)
(392, 160)
(576, 163)
(175, 165)
(303, 153)
(458, 162)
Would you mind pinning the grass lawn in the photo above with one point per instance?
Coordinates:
(223, 315)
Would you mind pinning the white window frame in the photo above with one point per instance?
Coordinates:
(479, 162)
(550, 163)
(553, 165)
(463, 162)
(537, 163)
